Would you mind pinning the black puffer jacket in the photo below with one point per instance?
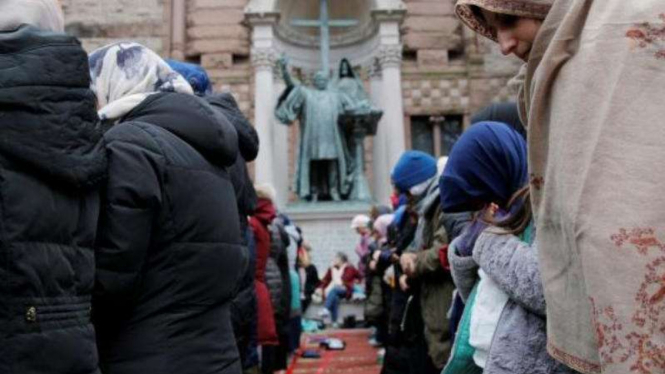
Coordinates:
(279, 242)
(501, 112)
(51, 160)
(170, 253)
(248, 146)
(243, 307)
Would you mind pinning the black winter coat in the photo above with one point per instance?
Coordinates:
(501, 112)
(278, 269)
(170, 254)
(243, 306)
(248, 146)
(51, 161)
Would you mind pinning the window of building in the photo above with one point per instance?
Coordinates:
(435, 134)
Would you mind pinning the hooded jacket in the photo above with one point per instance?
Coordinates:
(435, 283)
(51, 162)
(243, 307)
(265, 213)
(169, 254)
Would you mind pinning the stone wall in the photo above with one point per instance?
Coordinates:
(431, 31)
(100, 22)
(448, 69)
(217, 38)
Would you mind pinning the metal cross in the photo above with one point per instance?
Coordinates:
(324, 23)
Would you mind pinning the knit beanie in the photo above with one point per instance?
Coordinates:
(413, 168)
(195, 75)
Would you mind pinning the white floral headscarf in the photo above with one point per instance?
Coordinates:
(124, 74)
(43, 14)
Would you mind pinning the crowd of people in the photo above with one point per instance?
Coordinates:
(133, 239)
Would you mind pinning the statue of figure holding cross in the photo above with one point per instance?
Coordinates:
(321, 168)
(331, 119)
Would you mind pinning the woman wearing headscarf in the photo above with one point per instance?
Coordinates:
(52, 163)
(496, 270)
(169, 254)
(595, 133)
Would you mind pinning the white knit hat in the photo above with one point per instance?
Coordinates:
(359, 221)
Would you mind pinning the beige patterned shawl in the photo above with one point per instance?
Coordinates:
(594, 97)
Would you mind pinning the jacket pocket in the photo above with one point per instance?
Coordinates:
(54, 314)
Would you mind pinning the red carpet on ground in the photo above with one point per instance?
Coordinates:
(358, 357)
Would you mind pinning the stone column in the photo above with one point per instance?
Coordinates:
(390, 57)
(281, 146)
(389, 14)
(179, 29)
(381, 169)
(261, 18)
(263, 60)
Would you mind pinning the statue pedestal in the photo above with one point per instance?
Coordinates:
(360, 125)
(327, 227)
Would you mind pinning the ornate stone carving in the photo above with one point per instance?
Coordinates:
(390, 55)
(263, 58)
(374, 69)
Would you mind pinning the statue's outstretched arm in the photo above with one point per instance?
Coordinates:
(286, 75)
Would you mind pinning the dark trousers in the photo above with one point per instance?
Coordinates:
(295, 332)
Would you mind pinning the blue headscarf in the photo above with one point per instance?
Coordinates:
(487, 164)
(195, 75)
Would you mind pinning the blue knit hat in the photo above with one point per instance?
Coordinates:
(195, 75)
(413, 168)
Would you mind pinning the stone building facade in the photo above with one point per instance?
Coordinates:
(420, 65)
(446, 72)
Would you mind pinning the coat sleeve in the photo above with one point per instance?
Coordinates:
(290, 104)
(428, 262)
(350, 276)
(464, 271)
(513, 265)
(132, 197)
(325, 282)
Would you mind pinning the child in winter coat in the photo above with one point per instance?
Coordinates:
(496, 269)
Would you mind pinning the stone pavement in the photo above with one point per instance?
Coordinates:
(358, 357)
